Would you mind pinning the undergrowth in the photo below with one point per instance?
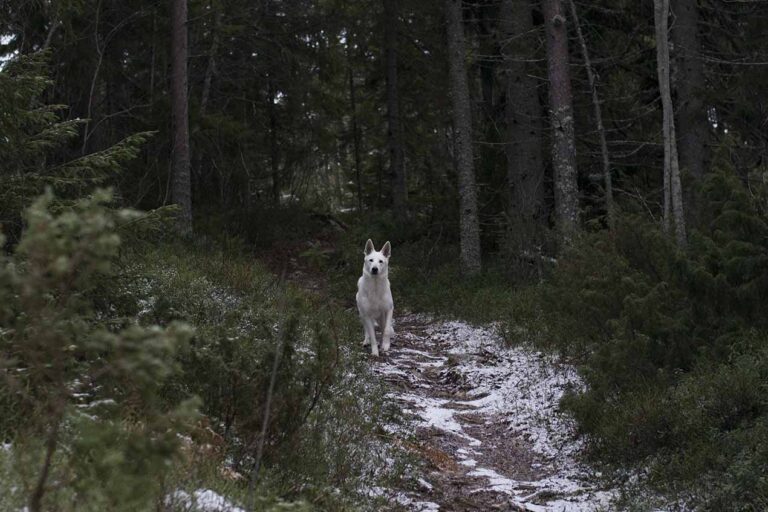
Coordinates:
(323, 441)
(672, 344)
(133, 374)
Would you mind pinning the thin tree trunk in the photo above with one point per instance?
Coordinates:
(486, 61)
(487, 124)
(523, 113)
(355, 131)
(51, 443)
(210, 69)
(462, 125)
(379, 180)
(394, 127)
(152, 64)
(272, 116)
(673, 196)
(51, 32)
(181, 192)
(561, 118)
(274, 156)
(268, 404)
(199, 179)
(608, 182)
(689, 84)
(89, 105)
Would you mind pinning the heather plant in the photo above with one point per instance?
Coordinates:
(322, 438)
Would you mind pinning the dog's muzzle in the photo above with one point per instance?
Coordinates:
(374, 270)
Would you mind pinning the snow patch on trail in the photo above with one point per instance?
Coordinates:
(434, 414)
(203, 500)
(496, 482)
(404, 500)
(521, 384)
(461, 380)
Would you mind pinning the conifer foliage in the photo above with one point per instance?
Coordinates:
(522, 156)
(68, 376)
(34, 136)
(673, 344)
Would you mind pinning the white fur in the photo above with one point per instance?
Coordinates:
(374, 297)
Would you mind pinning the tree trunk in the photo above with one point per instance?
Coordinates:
(394, 128)
(152, 64)
(274, 164)
(355, 131)
(200, 179)
(462, 125)
(523, 113)
(561, 118)
(673, 196)
(100, 53)
(689, 83)
(181, 192)
(210, 69)
(607, 179)
(51, 444)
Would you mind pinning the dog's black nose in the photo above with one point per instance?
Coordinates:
(374, 270)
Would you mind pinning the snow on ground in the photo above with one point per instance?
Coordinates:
(403, 499)
(460, 381)
(203, 500)
(520, 383)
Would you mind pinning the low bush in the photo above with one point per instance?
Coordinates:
(80, 386)
(322, 439)
(131, 374)
(672, 346)
(671, 343)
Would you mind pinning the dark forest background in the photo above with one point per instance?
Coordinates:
(592, 175)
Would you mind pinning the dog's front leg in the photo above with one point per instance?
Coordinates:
(370, 334)
(387, 331)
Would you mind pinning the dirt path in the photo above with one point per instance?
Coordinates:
(487, 424)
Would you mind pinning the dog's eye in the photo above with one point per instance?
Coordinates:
(371, 261)
(381, 261)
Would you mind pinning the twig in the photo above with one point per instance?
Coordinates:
(35, 501)
(268, 404)
(598, 119)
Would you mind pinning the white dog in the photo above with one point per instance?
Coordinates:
(374, 297)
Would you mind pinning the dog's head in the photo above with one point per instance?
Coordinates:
(376, 263)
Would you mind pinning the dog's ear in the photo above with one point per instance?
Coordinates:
(368, 247)
(386, 250)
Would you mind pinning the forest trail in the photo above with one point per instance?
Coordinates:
(488, 429)
(487, 423)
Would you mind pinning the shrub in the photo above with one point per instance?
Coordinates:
(322, 439)
(671, 345)
(80, 389)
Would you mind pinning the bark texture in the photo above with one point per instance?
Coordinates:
(673, 194)
(523, 114)
(181, 188)
(561, 119)
(462, 125)
(394, 127)
(692, 122)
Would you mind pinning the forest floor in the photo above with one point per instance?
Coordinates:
(483, 418)
(487, 424)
